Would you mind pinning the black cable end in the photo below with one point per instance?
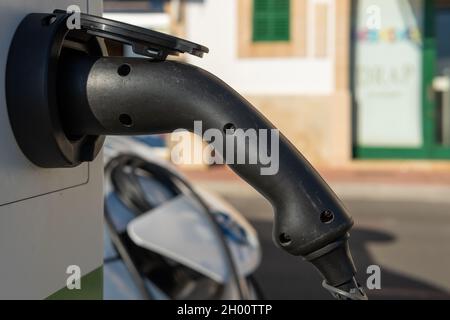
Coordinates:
(334, 262)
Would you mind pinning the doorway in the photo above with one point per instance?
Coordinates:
(401, 79)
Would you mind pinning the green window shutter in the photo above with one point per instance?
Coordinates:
(271, 20)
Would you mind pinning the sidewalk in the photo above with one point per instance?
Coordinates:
(437, 175)
(424, 184)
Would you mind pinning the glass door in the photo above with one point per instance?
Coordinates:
(401, 79)
(388, 78)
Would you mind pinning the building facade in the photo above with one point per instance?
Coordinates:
(344, 80)
(289, 58)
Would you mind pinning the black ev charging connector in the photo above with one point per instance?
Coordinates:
(65, 94)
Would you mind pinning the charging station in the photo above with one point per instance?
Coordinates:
(50, 219)
(64, 94)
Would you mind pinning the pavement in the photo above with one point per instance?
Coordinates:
(402, 224)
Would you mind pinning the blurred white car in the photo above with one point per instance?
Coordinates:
(165, 239)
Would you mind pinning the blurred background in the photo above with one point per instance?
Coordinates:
(362, 88)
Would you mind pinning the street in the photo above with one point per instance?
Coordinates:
(404, 229)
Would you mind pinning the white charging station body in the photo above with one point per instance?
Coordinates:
(51, 220)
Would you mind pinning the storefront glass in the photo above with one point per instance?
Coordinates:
(388, 73)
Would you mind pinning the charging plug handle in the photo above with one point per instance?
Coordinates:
(130, 96)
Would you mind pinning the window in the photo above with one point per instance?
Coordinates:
(271, 20)
(272, 28)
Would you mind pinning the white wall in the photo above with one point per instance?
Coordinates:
(214, 23)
